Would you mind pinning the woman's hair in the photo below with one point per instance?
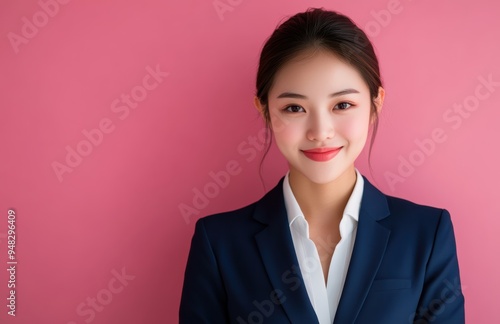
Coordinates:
(317, 28)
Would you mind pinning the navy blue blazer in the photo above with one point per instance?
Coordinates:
(242, 266)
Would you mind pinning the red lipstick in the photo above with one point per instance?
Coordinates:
(322, 154)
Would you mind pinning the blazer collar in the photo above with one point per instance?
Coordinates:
(368, 251)
(280, 261)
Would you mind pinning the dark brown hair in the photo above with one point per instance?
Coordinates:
(316, 28)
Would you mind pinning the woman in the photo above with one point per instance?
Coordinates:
(324, 245)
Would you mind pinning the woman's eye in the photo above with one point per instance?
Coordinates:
(293, 108)
(296, 109)
(342, 105)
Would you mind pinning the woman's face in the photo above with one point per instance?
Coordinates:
(318, 101)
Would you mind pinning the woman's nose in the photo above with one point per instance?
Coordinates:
(320, 128)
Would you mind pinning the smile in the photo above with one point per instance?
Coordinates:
(322, 154)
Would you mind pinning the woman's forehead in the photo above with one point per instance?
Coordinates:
(316, 71)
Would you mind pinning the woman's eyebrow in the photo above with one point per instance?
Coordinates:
(300, 96)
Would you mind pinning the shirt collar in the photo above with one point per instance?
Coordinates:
(352, 207)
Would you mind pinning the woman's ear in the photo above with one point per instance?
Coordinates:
(258, 105)
(262, 110)
(379, 102)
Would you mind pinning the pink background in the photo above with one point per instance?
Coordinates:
(65, 70)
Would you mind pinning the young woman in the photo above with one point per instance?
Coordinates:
(324, 245)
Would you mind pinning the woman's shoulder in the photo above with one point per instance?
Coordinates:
(247, 215)
(414, 214)
(233, 215)
(406, 219)
(402, 209)
(411, 206)
(231, 221)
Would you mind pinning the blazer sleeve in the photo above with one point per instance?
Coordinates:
(442, 300)
(203, 297)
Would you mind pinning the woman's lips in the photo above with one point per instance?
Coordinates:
(322, 154)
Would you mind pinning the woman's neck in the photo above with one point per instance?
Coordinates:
(322, 204)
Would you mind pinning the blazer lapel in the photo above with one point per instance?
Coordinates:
(368, 250)
(278, 254)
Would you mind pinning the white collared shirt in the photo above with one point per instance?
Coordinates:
(324, 299)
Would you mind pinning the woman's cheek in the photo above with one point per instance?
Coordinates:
(353, 129)
(288, 133)
(279, 122)
(281, 125)
(287, 139)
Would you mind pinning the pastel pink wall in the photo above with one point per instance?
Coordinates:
(100, 237)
